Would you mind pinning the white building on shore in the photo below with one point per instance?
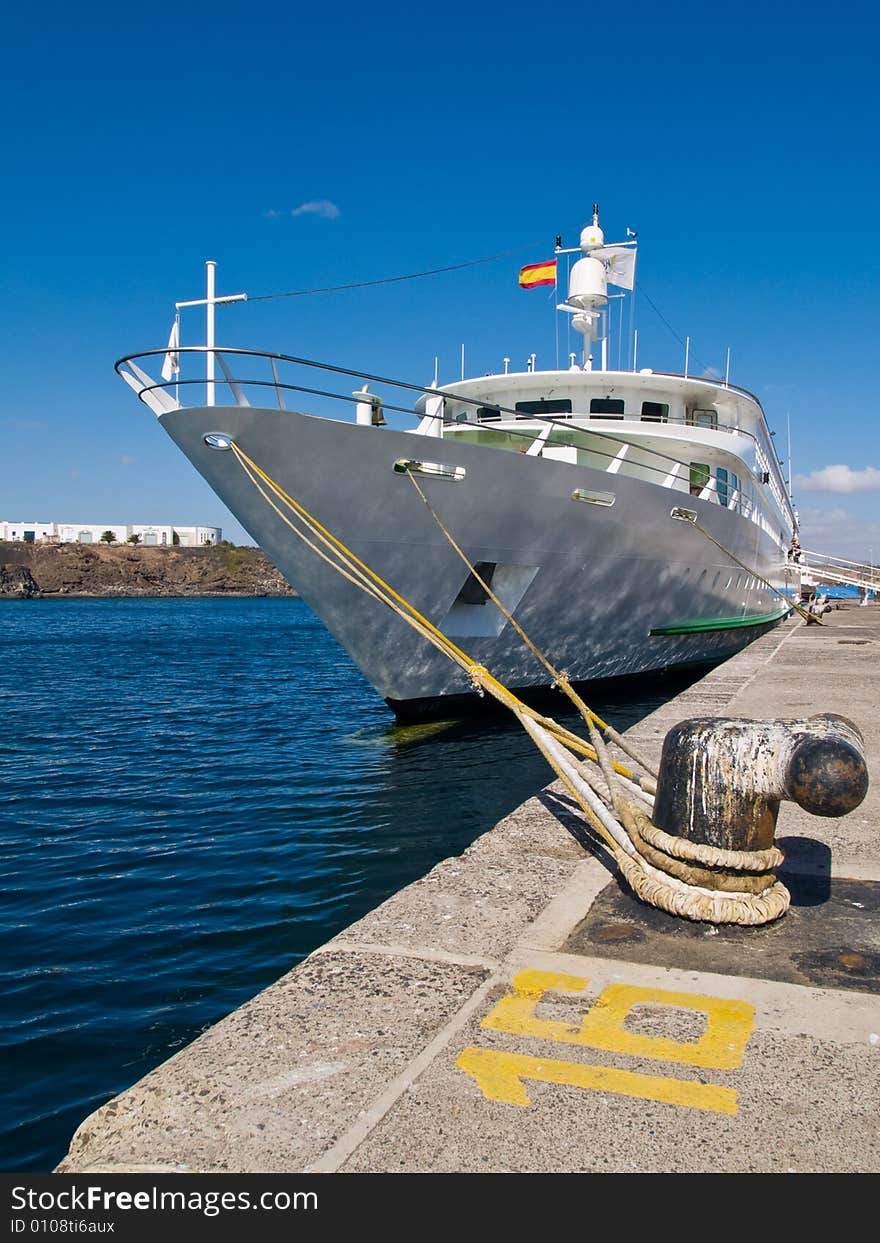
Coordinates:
(90, 533)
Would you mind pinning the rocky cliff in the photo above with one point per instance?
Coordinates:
(29, 570)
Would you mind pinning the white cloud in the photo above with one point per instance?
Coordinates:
(126, 460)
(840, 533)
(272, 214)
(318, 207)
(839, 479)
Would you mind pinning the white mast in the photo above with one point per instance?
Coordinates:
(588, 289)
(209, 302)
(210, 285)
(588, 280)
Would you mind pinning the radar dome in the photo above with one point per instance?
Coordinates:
(591, 237)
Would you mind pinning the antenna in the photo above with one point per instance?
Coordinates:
(788, 432)
(632, 317)
(462, 360)
(687, 354)
(620, 333)
(556, 305)
(727, 369)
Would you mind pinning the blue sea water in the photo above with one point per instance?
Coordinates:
(194, 794)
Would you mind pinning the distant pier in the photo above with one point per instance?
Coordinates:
(518, 1010)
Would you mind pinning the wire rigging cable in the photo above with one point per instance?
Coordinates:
(390, 280)
(457, 267)
(654, 307)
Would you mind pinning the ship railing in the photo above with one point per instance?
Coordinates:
(840, 570)
(764, 438)
(166, 395)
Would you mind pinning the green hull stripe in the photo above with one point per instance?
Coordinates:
(722, 623)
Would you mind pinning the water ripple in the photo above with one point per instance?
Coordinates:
(193, 795)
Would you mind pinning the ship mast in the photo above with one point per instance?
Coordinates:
(209, 302)
(588, 284)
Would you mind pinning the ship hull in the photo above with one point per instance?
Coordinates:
(605, 590)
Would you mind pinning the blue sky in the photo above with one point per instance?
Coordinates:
(739, 140)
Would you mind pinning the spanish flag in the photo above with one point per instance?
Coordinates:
(538, 274)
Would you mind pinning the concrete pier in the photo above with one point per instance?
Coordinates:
(518, 1010)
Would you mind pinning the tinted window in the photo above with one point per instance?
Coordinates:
(700, 476)
(723, 487)
(607, 407)
(559, 405)
(654, 412)
(485, 413)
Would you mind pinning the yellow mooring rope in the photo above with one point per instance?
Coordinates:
(615, 801)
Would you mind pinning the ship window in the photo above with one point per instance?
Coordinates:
(724, 489)
(655, 411)
(548, 405)
(607, 407)
(702, 418)
(486, 413)
(699, 477)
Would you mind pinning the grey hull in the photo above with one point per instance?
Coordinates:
(591, 584)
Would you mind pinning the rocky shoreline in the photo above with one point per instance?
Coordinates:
(49, 571)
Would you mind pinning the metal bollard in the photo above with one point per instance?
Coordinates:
(721, 780)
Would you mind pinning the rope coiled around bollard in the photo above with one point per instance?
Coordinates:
(677, 898)
(712, 856)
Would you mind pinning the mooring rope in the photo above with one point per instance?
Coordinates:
(809, 618)
(559, 679)
(713, 856)
(616, 811)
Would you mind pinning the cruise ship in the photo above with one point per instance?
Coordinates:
(631, 521)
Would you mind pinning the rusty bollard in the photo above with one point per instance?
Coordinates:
(721, 782)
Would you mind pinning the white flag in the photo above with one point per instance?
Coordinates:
(171, 365)
(620, 264)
